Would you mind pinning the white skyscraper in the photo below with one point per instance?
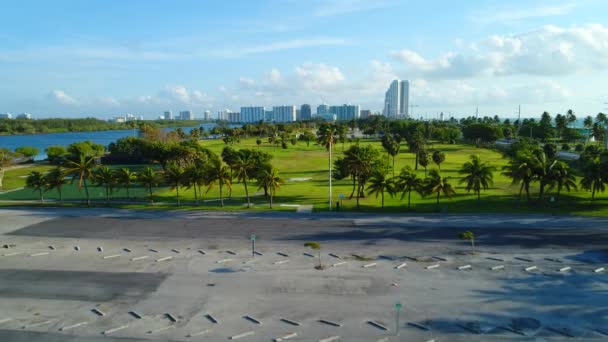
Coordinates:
(284, 113)
(397, 99)
(252, 114)
(168, 115)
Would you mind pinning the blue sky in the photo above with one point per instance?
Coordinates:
(106, 58)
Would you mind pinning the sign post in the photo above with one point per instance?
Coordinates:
(398, 307)
(252, 238)
(341, 197)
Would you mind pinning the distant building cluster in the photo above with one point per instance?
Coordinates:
(19, 116)
(291, 113)
(396, 105)
(126, 118)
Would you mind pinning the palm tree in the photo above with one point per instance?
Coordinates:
(219, 174)
(317, 247)
(423, 160)
(149, 179)
(541, 166)
(194, 177)
(592, 177)
(243, 167)
(520, 170)
(379, 184)
(408, 181)
(435, 184)
(562, 178)
(81, 169)
(477, 175)
(270, 180)
(56, 180)
(37, 181)
(438, 158)
(174, 176)
(391, 146)
(104, 176)
(327, 138)
(126, 177)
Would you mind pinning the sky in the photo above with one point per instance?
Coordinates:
(108, 58)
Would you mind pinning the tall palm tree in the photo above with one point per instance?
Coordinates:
(379, 183)
(37, 181)
(477, 175)
(542, 165)
(424, 160)
(174, 176)
(592, 177)
(270, 180)
(408, 181)
(81, 169)
(243, 168)
(327, 137)
(438, 158)
(149, 179)
(126, 177)
(194, 177)
(104, 176)
(562, 178)
(435, 184)
(520, 170)
(56, 180)
(220, 174)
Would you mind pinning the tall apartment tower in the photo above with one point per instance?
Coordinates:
(284, 113)
(305, 112)
(397, 99)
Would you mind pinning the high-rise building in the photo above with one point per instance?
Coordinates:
(223, 115)
(365, 113)
(234, 117)
(284, 113)
(252, 114)
(345, 112)
(322, 109)
(397, 99)
(305, 112)
(6, 115)
(207, 115)
(168, 115)
(24, 116)
(186, 115)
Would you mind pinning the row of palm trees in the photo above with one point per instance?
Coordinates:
(193, 176)
(535, 166)
(476, 174)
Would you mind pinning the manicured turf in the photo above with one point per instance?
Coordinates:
(302, 161)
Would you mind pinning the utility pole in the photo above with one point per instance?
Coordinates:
(477, 113)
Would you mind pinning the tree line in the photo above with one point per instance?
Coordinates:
(182, 165)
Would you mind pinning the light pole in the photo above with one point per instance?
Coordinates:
(329, 166)
(398, 307)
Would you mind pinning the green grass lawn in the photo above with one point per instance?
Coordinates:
(302, 161)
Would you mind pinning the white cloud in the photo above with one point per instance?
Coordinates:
(549, 51)
(512, 14)
(448, 93)
(177, 93)
(60, 97)
(275, 75)
(244, 51)
(341, 7)
(318, 76)
(246, 82)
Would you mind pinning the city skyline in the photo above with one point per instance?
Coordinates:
(76, 61)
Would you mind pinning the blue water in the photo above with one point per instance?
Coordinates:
(42, 141)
